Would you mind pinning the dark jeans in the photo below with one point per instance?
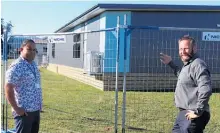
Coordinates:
(182, 125)
(28, 124)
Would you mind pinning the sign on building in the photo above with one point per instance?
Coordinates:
(57, 39)
(211, 36)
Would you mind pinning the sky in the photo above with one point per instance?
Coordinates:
(29, 17)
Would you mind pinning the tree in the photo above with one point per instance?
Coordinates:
(8, 27)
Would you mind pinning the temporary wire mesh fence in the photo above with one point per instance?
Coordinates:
(74, 72)
(150, 84)
(72, 79)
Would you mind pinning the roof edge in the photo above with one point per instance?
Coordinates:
(144, 7)
(94, 7)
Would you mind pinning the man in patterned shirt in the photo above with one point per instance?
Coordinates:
(23, 89)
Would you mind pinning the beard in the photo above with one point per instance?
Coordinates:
(186, 57)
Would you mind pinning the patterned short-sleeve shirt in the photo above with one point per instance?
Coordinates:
(26, 78)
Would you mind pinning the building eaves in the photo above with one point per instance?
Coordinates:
(99, 8)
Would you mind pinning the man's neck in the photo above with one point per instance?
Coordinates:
(190, 60)
(185, 62)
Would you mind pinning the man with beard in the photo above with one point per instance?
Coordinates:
(23, 89)
(193, 89)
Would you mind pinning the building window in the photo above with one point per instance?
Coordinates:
(76, 45)
(76, 38)
(76, 50)
(45, 49)
(53, 50)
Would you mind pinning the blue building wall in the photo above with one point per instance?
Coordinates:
(111, 42)
(149, 43)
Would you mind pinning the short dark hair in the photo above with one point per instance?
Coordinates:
(28, 41)
(187, 37)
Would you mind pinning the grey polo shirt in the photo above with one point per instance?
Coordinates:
(193, 88)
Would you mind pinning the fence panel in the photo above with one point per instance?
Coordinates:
(150, 84)
(74, 75)
(80, 76)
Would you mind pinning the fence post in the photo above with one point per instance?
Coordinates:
(2, 85)
(4, 102)
(116, 80)
(124, 77)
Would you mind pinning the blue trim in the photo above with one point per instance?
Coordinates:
(111, 40)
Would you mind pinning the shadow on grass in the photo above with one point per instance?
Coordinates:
(57, 110)
(136, 129)
(95, 119)
(61, 111)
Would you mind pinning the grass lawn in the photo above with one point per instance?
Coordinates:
(73, 107)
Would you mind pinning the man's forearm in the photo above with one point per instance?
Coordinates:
(9, 93)
(175, 68)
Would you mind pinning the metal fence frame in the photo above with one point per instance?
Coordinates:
(128, 30)
(116, 30)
